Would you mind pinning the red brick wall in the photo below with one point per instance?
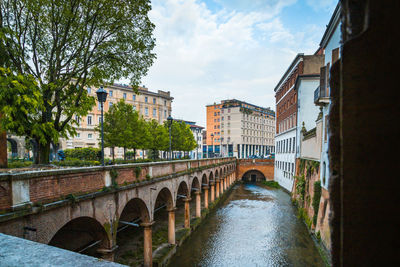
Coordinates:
(266, 167)
(5, 194)
(53, 187)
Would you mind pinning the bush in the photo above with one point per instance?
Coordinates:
(316, 200)
(19, 164)
(77, 162)
(86, 153)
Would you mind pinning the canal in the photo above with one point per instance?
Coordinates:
(254, 226)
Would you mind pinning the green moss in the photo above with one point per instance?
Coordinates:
(316, 200)
(272, 184)
(138, 170)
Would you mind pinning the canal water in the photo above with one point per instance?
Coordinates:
(254, 226)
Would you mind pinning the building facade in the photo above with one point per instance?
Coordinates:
(149, 105)
(242, 129)
(286, 116)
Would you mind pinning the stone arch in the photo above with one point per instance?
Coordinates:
(80, 232)
(135, 210)
(253, 176)
(14, 147)
(163, 197)
(225, 170)
(211, 177)
(183, 190)
(195, 184)
(216, 174)
(204, 179)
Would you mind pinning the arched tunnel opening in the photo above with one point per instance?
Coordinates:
(253, 176)
(83, 235)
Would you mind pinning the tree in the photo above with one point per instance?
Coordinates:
(159, 139)
(66, 46)
(182, 138)
(121, 124)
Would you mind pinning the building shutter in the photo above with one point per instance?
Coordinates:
(322, 81)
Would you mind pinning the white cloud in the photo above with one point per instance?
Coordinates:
(204, 57)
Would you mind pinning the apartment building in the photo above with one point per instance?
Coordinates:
(239, 129)
(150, 105)
(286, 116)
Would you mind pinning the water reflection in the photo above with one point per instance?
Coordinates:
(255, 226)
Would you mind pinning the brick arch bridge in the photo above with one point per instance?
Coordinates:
(255, 169)
(74, 207)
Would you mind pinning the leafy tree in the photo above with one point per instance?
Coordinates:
(159, 139)
(55, 49)
(182, 138)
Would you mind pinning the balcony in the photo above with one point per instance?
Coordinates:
(320, 96)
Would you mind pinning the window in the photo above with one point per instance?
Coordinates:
(215, 113)
(89, 90)
(154, 112)
(110, 105)
(124, 96)
(294, 141)
(165, 113)
(165, 102)
(133, 107)
(78, 135)
(90, 136)
(110, 93)
(146, 111)
(89, 120)
(99, 106)
(78, 120)
(99, 118)
(335, 55)
(134, 97)
(145, 99)
(154, 100)
(229, 118)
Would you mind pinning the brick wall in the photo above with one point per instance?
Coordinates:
(266, 167)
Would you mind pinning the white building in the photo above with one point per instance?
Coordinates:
(286, 115)
(198, 136)
(330, 43)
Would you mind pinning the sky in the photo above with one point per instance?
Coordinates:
(211, 50)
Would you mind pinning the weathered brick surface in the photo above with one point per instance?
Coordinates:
(5, 194)
(265, 166)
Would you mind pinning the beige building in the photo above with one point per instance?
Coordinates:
(150, 105)
(245, 130)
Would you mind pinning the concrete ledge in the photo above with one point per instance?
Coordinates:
(20, 252)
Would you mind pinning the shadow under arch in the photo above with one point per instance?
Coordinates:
(78, 234)
(253, 176)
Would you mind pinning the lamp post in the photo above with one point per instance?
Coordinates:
(170, 119)
(212, 145)
(102, 97)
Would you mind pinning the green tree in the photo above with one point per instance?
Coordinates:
(159, 139)
(66, 46)
(182, 138)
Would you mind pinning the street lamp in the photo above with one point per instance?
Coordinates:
(197, 143)
(102, 97)
(212, 145)
(170, 119)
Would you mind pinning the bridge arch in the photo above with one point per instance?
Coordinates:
(204, 180)
(80, 232)
(216, 174)
(135, 210)
(211, 177)
(253, 176)
(183, 190)
(195, 184)
(164, 197)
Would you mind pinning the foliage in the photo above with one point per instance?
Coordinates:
(301, 186)
(182, 138)
(114, 176)
(19, 164)
(55, 49)
(76, 163)
(272, 184)
(316, 200)
(86, 153)
(138, 171)
(159, 139)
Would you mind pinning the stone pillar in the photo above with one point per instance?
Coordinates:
(107, 253)
(212, 192)
(171, 226)
(148, 244)
(187, 212)
(205, 188)
(221, 184)
(225, 183)
(198, 204)
(217, 189)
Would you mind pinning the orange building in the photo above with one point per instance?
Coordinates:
(213, 127)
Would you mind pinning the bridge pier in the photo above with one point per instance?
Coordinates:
(217, 188)
(212, 192)
(187, 212)
(225, 183)
(148, 244)
(171, 226)
(107, 253)
(198, 204)
(221, 184)
(205, 188)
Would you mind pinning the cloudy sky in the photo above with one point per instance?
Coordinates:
(210, 50)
